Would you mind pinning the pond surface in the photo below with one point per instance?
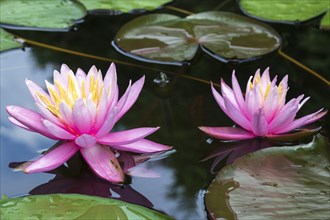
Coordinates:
(178, 107)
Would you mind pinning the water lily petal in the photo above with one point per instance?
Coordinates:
(142, 146)
(127, 136)
(30, 119)
(19, 124)
(82, 117)
(85, 140)
(110, 81)
(107, 125)
(132, 97)
(53, 158)
(35, 89)
(48, 115)
(236, 115)
(238, 93)
(218, 98)
(259, 123)
(285, 116)
(227, 133)
(57, 131)
(66, 115)
(228, 92)
(103, 162)
(270, 104)
(303, 121)
(252, 102)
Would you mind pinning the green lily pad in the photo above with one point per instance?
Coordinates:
(7, 41)
(292, 11)
(73, 206)
(274, 183)
(325, 22)
(170, 39)
(122, 6)
(41, 14)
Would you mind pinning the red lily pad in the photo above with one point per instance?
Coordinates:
(169, 39)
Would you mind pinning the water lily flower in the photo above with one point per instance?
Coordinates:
(262, 112)
(81, 110)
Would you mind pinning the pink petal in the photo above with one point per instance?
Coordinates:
(66, 115)
(252, 102)
(19, 124)
(127, 136)
(85, 140)
(285, 116)
(228, 92)
(218, 98)
(29, 119)
(53, 159)
(238, 93)
(107, 124)
(48, 115)
(228, 133)
(110, 80)
(132, 97)
(82, 117)
(34, 89)
(142, 146)
(236, 115)
(303, 121)
(270, 104)
(57, 131)
(259, 123)
(103, 162)
(102, 110)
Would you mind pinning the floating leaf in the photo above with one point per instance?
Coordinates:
(325, 22)
(7, 41)
(122, 6)
(274, 183)
(169, 39)
(41, 14)
(73, 206)
(284, 11)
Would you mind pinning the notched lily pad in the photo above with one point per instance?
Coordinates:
(274, 183)
(100, 6)
(59, 14)
(73, 206)
(7, 41)
(294, 11)
(170, 39)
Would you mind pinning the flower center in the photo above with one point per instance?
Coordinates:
(90, 89)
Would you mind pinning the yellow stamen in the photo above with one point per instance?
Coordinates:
(53, 108)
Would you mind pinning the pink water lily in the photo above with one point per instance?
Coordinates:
(81, 110)
(262, 112)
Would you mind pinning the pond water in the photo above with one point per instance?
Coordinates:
(178, 107)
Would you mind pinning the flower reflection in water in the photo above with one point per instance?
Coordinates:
(76, 177)
(226, 152)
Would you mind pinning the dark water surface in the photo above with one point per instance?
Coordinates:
(178, 108)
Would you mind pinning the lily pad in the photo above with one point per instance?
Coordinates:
(122, 6)
(41, 14)
(73, 206)
(325, 22)
(7, 41)
(274, 183)
(293, 11)
(170, 39)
